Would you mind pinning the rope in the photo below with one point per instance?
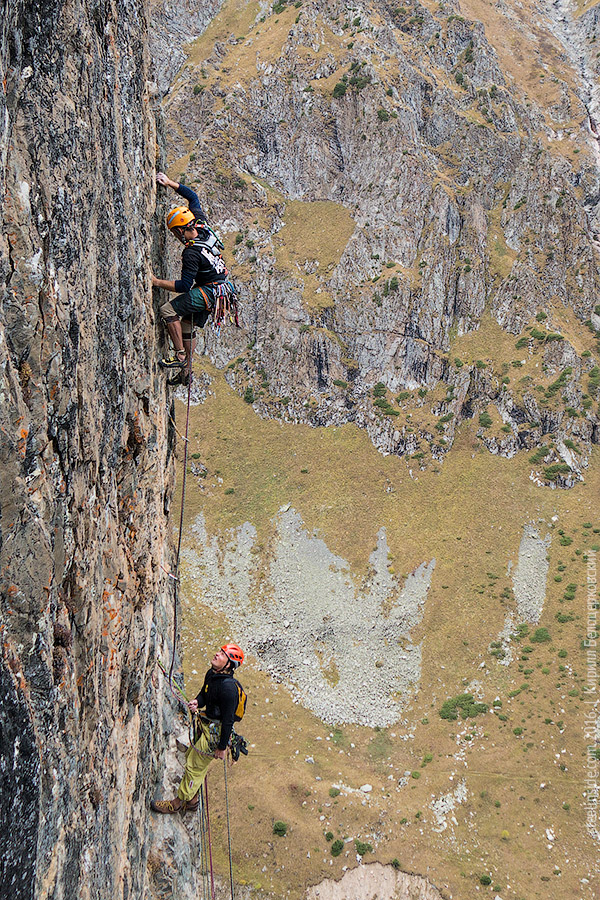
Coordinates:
(179, 538)
(176, 690)
(228, 828)
(204, 844)
(202, 855)
(212, 878)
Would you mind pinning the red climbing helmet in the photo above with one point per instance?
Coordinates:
(234, 654)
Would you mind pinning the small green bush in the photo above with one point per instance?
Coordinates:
(540, 636)
(383, 115)
(249, 395)
(363, 847)
(339, 90)
(340, 383)
(334, 792)
(465, 704)
(485, 420)
(395, 863)
(485, 879)
(280, 828)
(552, 472)
(537, 333)
(329, 836)
(337, 847)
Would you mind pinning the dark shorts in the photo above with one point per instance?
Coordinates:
(198, 300)
(196, 304)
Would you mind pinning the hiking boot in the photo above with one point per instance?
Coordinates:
(191, 805)
(175, 362)
(168, 807)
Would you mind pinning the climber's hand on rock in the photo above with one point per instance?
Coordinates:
(193, 706)
(220, 754)
(165, 180)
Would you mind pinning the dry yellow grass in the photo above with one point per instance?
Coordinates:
(313, 233)
(470, 517)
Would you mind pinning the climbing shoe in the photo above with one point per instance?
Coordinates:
(168, 806)
(238, 745)
(175, 362)
(181, 378)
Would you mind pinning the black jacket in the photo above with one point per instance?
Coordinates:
(219, 698)
(198, 265)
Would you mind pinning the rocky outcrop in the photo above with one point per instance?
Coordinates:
(384, 882)
(173, 26)
(86, 454)
(289, 635)
(465, 198)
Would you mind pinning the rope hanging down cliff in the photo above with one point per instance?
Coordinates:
(186, 443)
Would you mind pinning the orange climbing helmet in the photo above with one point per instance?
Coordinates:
(180, 217)
(234, 654)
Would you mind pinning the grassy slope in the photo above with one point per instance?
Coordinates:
(470, 517)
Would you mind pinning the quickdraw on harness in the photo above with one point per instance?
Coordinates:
(226, 304)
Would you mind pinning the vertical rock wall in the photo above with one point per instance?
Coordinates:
(85, 454)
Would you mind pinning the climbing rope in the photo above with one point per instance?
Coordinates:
(212, 879)
(186, 443)
(176, 690)
(228, 828)
(203, 848)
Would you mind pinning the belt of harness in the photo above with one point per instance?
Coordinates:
(212, 731)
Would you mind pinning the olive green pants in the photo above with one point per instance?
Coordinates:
(197, 760)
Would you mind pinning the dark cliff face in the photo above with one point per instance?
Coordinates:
(84, 453)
